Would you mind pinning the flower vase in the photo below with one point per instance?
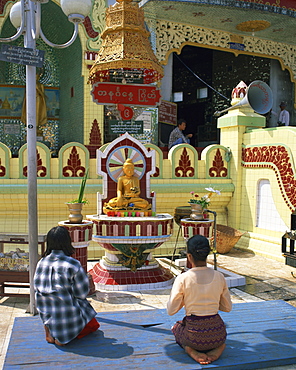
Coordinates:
(75, 216)
(196, 212)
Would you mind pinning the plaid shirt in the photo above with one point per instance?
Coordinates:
(175, 135)
(61, 287)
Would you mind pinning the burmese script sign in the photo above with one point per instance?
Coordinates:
(167, 112)
(121, 127)
(20, 55)
(127, 94)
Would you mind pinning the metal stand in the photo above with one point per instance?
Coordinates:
(215, 238)
(173, 255)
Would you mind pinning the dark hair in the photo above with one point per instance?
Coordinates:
(58, 238)
(180, 121)
(198, 246)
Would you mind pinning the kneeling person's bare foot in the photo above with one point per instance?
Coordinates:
(199, 357)
(214, 354)
(58, 343)
(49, 338)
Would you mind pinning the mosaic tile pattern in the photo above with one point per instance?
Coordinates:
(278, 158)
(80, 234)
(184, 168)
(133, 237)
(81, 256)
(218, 169)
(127, 280)
(119, 228)
(74, 166)
(89, 29)
(190, 227)
(110, 164)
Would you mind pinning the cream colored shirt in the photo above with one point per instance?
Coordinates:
(202, 291)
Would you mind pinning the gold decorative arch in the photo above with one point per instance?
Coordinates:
(172, 37)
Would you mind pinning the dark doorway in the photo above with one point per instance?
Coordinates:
(190, 69)
(204, 79)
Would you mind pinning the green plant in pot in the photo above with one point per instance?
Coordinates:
(75, 206)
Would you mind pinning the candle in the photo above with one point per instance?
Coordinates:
(137, 214)
(142, 214)
(125, 214)
(129, 214)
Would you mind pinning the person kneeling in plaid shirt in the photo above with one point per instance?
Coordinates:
(61, 287)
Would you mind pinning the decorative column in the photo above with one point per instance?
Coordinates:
(200, 227)
(81, 235)
(233, 126)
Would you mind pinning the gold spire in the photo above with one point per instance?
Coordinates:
(125, 46)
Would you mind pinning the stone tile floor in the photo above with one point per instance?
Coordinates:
(266, 279)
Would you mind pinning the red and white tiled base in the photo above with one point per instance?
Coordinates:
(81, 253)
(196, 227)
(111, 233)
(108, 275)
(142, 279)
(81, 235)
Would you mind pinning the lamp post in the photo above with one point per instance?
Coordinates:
(25, 15)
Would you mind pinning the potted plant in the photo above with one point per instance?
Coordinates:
(198, 205)
(75, 206)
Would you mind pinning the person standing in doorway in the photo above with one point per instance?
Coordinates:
(177, 136)
(284, 115)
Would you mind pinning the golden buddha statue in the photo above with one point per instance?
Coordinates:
(128, 191)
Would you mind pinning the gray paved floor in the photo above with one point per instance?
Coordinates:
(265, 280)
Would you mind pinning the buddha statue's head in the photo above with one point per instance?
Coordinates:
(128, 167)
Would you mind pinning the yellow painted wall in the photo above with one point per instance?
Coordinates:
(56, 190)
